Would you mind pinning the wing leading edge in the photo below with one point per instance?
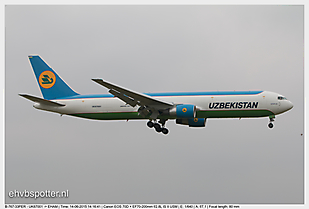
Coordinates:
(134, 98)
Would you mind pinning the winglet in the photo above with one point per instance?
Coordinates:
(99, 81)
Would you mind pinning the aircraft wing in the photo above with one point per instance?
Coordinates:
(133, 98)
(41, 101)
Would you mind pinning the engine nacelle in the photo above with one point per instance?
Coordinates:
(192, 122)
(183, 111)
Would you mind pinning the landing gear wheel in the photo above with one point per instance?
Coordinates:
(164, 130)
(157, 127)
(150, 124)
(270, 125)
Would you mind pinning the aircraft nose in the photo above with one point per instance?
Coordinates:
(290, 105)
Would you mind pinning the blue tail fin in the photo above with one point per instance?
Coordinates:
(51, 85)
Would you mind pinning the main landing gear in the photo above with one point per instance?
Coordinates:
(271, 125)
(157, 126)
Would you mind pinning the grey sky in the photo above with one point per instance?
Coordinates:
(148, 49)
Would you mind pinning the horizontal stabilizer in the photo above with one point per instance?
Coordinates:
(41, 101)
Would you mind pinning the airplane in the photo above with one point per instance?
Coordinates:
(187, 108)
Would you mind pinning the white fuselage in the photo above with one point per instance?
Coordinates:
(209, 106)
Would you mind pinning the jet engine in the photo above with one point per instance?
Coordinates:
(192, 122)
(183, 111)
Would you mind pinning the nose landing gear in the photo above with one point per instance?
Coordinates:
(158, 127)
(271, 125)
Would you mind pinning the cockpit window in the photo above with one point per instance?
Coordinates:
(281, 98)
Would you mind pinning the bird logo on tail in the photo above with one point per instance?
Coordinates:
(47, 79)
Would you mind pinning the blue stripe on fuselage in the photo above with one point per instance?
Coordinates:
(170, 94)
